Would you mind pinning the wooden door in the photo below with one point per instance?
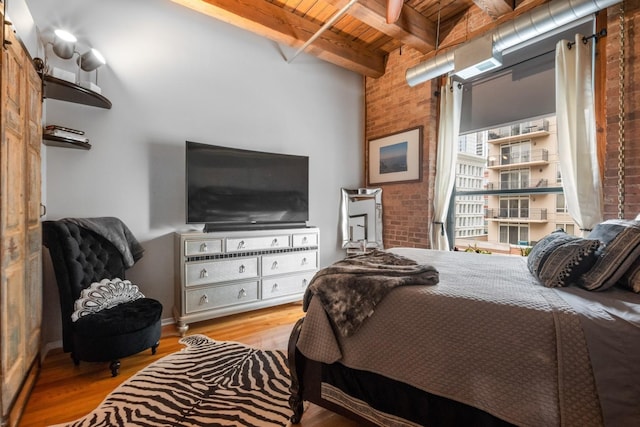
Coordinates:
(20, 249)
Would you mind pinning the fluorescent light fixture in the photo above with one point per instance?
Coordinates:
(476, 57)
(477, 69)
(64, 44)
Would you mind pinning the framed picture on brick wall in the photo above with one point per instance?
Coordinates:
(396, 157)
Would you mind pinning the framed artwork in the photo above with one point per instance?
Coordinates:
(396, 157)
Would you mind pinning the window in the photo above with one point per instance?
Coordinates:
(568, 228)
(514, 207)
(561, 203)
(514, 179)
(519, 152)
(508, 122)
(514, 234)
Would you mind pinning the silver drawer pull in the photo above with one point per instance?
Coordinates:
(274, 266)
(241, 269)
(242, 293)
(204, 273)
(305, 240)
(274, 288)
(304, 283)
(274, 242)
(241, 244)
(304, 261)
(204, 247)
(204, 299)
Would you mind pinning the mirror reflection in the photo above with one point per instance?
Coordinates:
(361, 219)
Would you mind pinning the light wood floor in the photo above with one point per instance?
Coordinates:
(64, 392)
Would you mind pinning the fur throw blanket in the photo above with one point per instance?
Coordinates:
(350, 289)
(116, 232)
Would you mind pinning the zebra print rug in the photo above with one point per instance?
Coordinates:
(209, 383)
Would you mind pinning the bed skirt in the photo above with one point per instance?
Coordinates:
(372, 399)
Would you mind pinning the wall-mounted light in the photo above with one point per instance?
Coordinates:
(64, 44)
(91, 60)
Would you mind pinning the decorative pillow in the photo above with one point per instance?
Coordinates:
(568, 262)
(620, 249)
(544, 247)
(631, 278)
(103, 295)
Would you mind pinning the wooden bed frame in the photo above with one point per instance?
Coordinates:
(307, 376)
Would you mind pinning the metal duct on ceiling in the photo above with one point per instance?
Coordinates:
(538, 21)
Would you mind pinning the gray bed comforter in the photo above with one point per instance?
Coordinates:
(488, 335)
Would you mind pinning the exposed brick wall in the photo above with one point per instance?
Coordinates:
(392, 106)
(631, 108)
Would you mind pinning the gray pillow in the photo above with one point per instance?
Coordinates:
(560, 259)
(568, 262)
(542, 249)
(620, 250)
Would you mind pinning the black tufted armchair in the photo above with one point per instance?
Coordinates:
(84, 252)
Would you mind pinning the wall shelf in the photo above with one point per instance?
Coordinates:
(58, 141)
(63, 90)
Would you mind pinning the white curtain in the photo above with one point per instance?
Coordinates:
(576, 127)
(448, 129)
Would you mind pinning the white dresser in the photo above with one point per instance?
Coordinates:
(222, 273)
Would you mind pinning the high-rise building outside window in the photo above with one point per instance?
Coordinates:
(508, 187)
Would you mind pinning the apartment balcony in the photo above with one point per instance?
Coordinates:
(527, 130)
(517, 215)
(527, 158)
(521, 184)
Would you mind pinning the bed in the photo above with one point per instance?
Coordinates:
(491, 343)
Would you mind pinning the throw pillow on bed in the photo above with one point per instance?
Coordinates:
(619, 253)
(631, 278)
(559, 259)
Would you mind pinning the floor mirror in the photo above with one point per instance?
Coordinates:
(361, 219)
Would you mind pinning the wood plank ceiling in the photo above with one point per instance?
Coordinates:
(359, 39)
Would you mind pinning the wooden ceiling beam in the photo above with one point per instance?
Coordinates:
(268, 20)
(411, 29)
(467, 35)
(495, 8)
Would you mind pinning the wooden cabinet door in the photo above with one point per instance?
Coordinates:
(33, 247)
(20, 276)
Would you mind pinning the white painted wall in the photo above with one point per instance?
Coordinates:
(175, 75)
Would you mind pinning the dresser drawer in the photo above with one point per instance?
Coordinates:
(306, 239)
(202, 247)
(221, 296)
(289, 262)
(200, 273)
(287, 285)
(237, 244)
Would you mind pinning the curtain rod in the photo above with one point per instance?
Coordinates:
(585, 39)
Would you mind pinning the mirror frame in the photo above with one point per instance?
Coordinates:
(374, 239)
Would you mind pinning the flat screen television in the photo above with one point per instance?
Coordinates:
(230, 188)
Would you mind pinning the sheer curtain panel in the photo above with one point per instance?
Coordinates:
(576, 131)
(448, 130)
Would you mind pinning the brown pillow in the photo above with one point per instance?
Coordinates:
(631, 278)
